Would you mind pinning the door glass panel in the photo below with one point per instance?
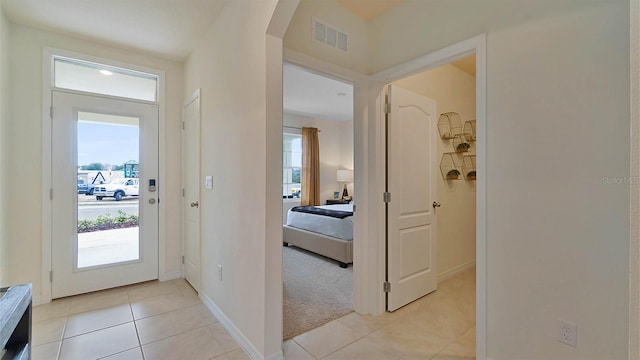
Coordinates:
(108, 188)
(103, 79)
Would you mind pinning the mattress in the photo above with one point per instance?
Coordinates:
(325, 225)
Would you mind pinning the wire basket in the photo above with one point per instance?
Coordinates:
(449, 125)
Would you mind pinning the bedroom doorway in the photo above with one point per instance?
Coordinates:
(317, 240)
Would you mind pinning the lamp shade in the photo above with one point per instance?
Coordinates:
(345, 175)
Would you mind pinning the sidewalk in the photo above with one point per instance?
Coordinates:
(108, 246)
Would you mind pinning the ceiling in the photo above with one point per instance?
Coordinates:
(169, 28)
(369, 9)
(315, 96)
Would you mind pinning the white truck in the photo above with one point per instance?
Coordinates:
(117, 189)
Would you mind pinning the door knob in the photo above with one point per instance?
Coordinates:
(436, 204)
(195, 204)
(152, 201)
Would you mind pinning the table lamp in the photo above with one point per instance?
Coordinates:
(345, 176)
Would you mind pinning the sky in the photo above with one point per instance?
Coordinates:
(107, 143)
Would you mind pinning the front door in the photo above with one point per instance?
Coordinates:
(411, 175)
(104, 193)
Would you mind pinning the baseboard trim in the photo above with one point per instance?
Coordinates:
(170, 276)
(235, 333)
(277, 356)
(456, 270)
(38, 300)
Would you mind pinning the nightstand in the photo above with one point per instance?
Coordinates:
(336, 201)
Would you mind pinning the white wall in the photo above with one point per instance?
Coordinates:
(346, 148)
(557, 235)
(4, 150)
(336, 150)
(240, 150)
(25, 163)
(453, 90)
(299, 34)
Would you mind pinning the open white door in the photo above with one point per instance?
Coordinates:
(411, 175)
(191, 190)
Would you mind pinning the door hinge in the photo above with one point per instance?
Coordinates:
(387, 108)
(354, 208)
(51, 194)
(51, 276)
(183, 125)
(386, 197)
(387, 286)
(182, 192)
(183, 259)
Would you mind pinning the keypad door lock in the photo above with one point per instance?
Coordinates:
(152, 185)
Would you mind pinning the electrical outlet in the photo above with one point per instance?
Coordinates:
(568, 333)
(220, 272)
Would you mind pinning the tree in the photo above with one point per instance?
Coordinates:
(93, 166)
(117, 167)
(296, 176)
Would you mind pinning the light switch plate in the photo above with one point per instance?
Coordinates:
(208, 182)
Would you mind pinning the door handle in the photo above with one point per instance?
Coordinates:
(195, 204)
(436, 204)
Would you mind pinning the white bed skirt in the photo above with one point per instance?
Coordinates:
(331, 247)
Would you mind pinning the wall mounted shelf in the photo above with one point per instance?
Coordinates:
(450, 167)
(460, 144)
(469, 130)
(469, 167)
(449, 125)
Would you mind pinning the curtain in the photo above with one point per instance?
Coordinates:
(310, 167)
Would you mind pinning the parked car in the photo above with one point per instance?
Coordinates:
(117, 189)
(84, 188)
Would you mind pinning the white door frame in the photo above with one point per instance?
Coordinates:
(47, 210)
(634, 241)
(377, 82)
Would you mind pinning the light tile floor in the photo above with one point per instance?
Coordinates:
(153, 320)
(439, 326)
(166, 320)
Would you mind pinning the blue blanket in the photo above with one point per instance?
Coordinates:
(323, 212)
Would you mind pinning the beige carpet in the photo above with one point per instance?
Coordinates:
(316, 291)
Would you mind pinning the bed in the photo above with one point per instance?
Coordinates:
(322, 234)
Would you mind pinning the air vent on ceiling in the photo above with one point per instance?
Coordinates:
(330, 36)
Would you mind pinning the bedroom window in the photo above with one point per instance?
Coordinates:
(291, 165)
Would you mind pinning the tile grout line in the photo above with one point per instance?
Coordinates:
(119, 352)
(303, 349)
(135, 326)
(64, 329)
(182, 333)
(59, 350)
